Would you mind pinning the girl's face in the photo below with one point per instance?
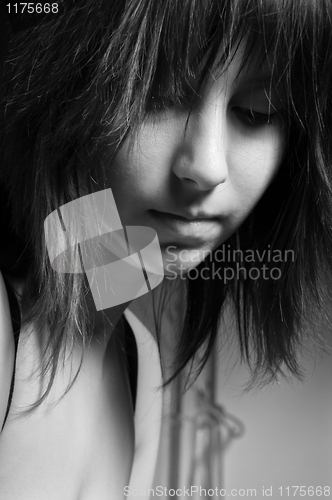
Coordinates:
(195, 180)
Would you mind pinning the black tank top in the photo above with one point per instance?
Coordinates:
(130, 348)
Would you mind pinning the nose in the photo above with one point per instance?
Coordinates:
(201, 163)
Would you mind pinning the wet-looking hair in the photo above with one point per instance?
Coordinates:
(88, 77)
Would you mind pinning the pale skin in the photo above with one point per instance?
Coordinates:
(83, 448)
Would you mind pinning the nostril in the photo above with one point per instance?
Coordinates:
(190, 181)
(200, 175)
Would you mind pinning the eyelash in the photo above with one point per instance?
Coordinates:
(248, 116)
(254, 118)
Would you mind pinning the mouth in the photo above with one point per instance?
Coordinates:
(201, 228)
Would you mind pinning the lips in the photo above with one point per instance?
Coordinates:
(196, 228)
(197, 217)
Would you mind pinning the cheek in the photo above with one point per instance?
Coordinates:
(143, 165)
(254, 163)
(139, 173)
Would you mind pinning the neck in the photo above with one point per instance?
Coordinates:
(105, 321)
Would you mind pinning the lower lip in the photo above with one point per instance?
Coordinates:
(197, 229)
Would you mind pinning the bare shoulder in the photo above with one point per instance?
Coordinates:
(7, 350)
(79, 446)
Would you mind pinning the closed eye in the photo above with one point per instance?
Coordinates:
(158, 104)
(181, 100)
(253, 118)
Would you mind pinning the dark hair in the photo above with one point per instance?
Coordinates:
(89, 75)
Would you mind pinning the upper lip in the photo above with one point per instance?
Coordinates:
(190, 216)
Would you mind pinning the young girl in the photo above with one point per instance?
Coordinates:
(207, 121)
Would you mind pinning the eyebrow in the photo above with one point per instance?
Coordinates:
(255, 79)
(258, 81)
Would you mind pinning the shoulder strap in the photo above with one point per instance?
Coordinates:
(16, 322)
(132, 358)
